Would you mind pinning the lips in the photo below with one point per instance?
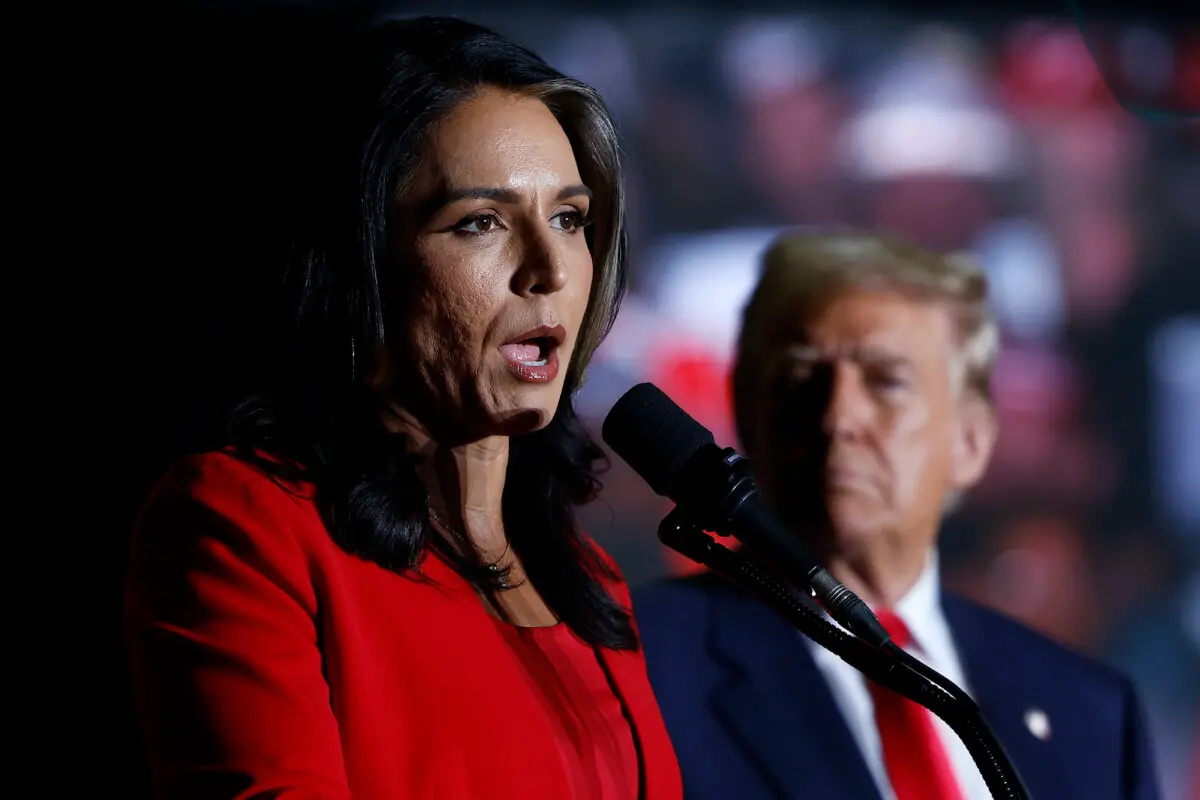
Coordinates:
(804, 466)
(839, 479)
(532, 356)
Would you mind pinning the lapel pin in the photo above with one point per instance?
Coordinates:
(1038, 723)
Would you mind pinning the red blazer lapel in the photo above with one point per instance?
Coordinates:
(660, 769)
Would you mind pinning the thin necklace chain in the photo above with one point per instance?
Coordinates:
(492, 567)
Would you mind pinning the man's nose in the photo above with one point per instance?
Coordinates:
(847, 407)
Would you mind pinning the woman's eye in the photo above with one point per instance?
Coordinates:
(479, 224)
(571, 221)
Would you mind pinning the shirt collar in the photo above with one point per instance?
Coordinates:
(920, 609)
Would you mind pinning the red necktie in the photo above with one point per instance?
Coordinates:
(917, 764)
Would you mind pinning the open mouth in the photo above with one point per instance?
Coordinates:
(533, 352)
(533, 356)
(538, 351)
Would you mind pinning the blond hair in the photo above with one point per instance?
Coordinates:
(803, 270)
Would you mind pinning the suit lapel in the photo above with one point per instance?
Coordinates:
(778, 707)
(1006, 693)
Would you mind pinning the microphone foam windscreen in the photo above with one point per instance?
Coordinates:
(654, 435)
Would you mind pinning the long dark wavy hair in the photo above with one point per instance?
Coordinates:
(375, 99)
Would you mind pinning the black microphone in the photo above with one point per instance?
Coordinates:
(714, 487)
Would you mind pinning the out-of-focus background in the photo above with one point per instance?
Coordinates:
(994, 132)
(997, 138)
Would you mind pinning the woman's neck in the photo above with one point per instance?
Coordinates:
(466, 492)
(465, 482)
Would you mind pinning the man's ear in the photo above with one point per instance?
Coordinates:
(974, 438)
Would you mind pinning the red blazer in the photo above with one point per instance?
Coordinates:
(269, 663)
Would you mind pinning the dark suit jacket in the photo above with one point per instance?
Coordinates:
(752, 717)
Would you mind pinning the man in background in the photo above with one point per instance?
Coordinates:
(861, 395)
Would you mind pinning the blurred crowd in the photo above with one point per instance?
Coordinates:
(1002, 141)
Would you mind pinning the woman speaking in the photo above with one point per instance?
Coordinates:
(378, 589)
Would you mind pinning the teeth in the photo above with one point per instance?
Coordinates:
(541, 363)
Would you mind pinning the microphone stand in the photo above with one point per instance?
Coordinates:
(890, 666)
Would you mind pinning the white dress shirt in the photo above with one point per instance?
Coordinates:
(921, 611)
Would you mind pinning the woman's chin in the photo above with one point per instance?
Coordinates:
(526, 411)
(519, 422)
